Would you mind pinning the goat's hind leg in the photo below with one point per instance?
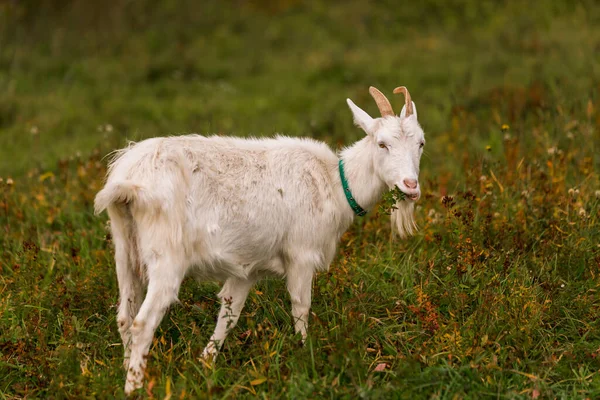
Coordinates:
(233, 296)
(164, 279)
(130, 285)
(130, 299)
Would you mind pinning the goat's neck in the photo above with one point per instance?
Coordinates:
(365, 185)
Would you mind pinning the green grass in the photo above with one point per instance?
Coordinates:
(497, 296)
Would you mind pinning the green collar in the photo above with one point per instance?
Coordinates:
(353, 204)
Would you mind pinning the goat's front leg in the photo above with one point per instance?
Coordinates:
(233, 296)
(299, 284)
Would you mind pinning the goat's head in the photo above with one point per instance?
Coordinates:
(397, 147)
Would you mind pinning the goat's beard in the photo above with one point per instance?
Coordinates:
(403, 218)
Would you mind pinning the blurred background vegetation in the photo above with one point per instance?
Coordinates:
(497, 296)
(70, 69)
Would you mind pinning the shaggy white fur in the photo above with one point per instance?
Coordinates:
(239, 209)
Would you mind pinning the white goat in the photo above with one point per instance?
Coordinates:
(240, 209)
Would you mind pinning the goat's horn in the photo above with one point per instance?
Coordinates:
(385, 108)
(404, 91)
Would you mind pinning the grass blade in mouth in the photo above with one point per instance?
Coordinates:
(397, 194)
(390, 198)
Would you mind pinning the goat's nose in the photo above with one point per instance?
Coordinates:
(411, 183)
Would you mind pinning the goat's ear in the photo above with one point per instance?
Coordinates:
(403, 112)
(361, 118)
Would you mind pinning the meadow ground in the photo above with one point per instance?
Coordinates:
(497, 296)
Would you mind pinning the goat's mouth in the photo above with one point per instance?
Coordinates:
(408, 194)
(413, 196)
(400, 194)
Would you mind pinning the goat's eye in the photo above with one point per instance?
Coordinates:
(382, 145)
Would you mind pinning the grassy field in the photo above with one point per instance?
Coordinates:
(497, 296)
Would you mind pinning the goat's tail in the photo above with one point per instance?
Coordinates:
(116, 198)
(120, 192)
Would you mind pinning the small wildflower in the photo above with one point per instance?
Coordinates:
(505, 127)
(483, 178)
(582, 212)
(10, 182)
(551, 150)
(34, 130)
(108, 128)
(597, 194)
(562, 285)
(570, 135)
(488, 147)
(507, 136)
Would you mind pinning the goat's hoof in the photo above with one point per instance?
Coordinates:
(209, 357)
(131, 386)
(209, 354)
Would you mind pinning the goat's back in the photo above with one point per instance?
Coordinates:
(230, 202)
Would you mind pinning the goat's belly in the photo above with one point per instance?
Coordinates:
(222, 248)
(219, 271)
(222, 268)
